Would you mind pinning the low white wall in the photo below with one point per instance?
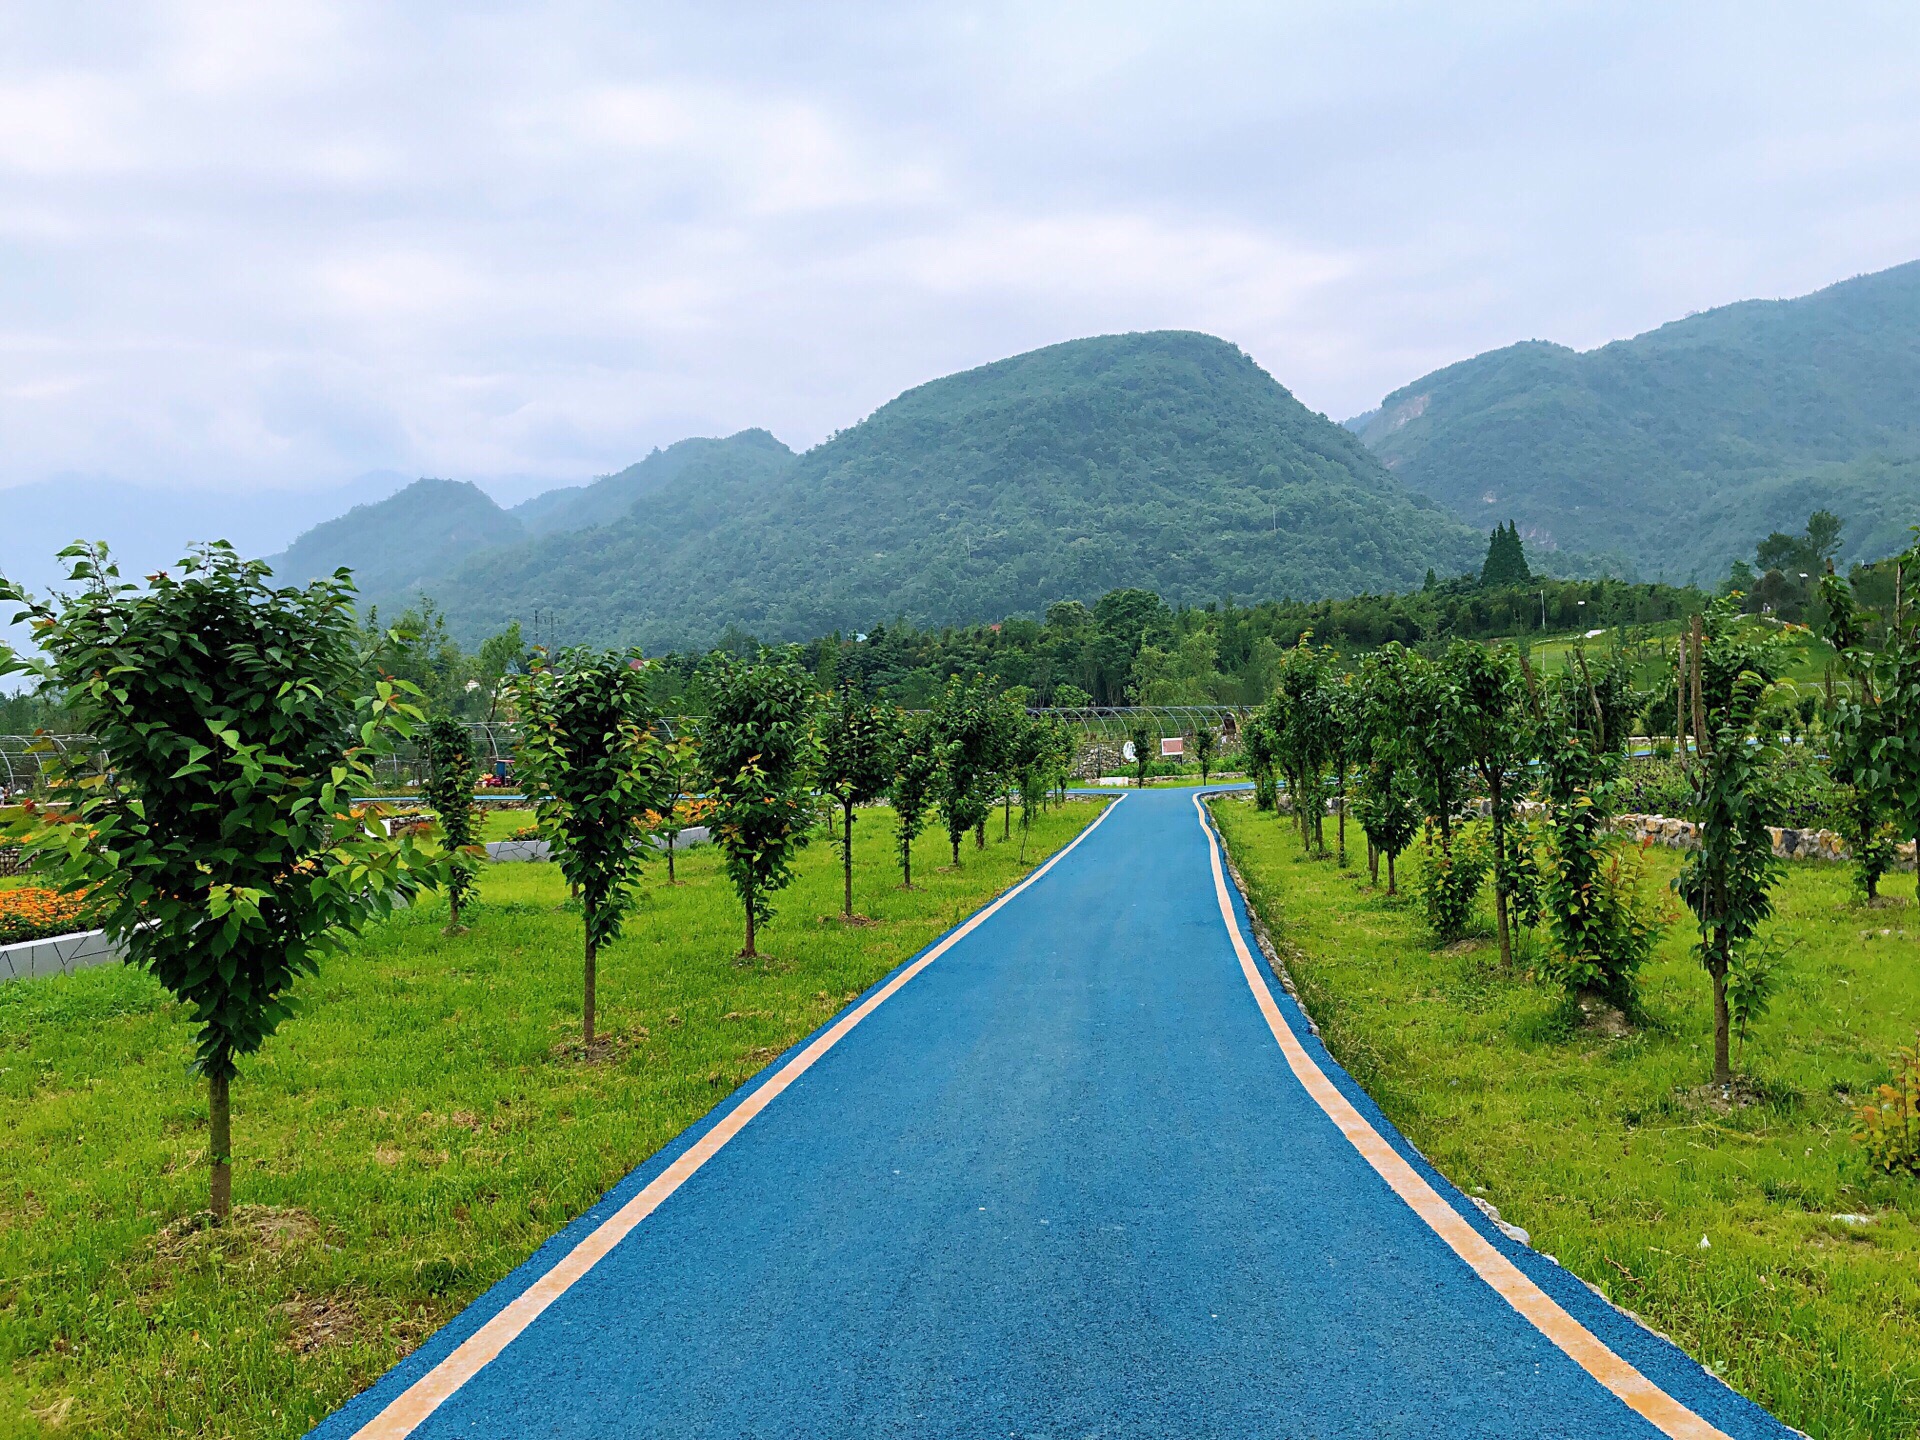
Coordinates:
(56, 955)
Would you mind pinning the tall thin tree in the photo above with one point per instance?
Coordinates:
(589, 755)
(854, 743)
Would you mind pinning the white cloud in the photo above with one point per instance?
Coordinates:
(265, 246)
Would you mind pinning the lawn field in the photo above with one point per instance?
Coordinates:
(1805, 656)
(1604, 1142)
(417, 1131)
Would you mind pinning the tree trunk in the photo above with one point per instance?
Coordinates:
(219, 1149)
(1342, 858)
(956, 850)
(906, 866)
(1006, 816)
(1373, 864)
(670, 847)
(980, 835)
(749, 953)
(846, 853)
(591, 977)
(453, 911)
(1722, 1071)
(1392, 889)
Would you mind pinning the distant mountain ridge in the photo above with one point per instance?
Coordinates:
(1167, 460)
(1675, 450)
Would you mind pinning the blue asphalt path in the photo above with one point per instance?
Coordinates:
(1063, 1183)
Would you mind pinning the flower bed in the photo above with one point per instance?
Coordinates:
(34, 912)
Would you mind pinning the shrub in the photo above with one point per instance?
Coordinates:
(1603, 937)
(1802, 792)
(1450, 881)
(1521, 869)
(1888, 1126)
(1752, 980)
(1652, 787)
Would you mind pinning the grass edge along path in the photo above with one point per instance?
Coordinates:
(425, 1124)
(1605, 1145)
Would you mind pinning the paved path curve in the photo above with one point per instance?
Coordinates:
(1077, 1170)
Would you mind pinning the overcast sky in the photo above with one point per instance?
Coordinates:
(267, 245)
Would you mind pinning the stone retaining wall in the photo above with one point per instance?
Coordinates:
(1787, 844)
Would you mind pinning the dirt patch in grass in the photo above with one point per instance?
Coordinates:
(320, 1322)
(1597, 1017)
(273, 1231)
(605, 1050)
(1742, 1093)
(854, 922)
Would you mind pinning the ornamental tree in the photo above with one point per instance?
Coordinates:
(219, 844)
(962, 730)
(1727, 880)
(1602, 930)
(1140, 736)
(1435, 747)
(1497, 736)
(1301, 716)
(447, 747)
(1256, 744)
(680, 764)
(916, 774)
(1010, 722)
(589, 756)
(1351, 748)
(757, 758)
(1876, 730)
(1389, 814)
(1204, 738)
(855, 738)
(1389, 806)
(1030, 756)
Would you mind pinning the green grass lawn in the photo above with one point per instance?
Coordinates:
(1612, 1151)
(407, 1140)
(1805, 656)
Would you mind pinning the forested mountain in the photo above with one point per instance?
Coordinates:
(404, 541)
(1166, 460)
(608, 499)
(1672, 451)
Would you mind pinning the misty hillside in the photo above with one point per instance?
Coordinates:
(1677, 449)
(1166, 460)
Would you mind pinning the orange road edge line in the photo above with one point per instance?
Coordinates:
(1584, 1347)
(411, 1408)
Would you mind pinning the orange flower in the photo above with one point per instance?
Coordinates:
(34, 912)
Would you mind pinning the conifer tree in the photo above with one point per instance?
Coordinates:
(1506, 562)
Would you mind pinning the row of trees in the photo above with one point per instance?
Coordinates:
(1414, 744)
(221, 844)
